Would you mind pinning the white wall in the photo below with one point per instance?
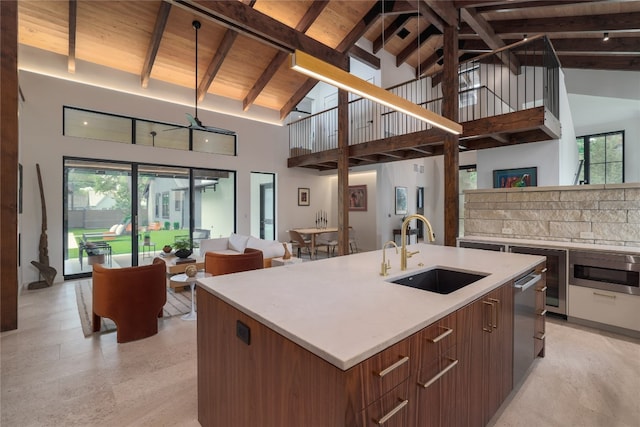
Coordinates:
(261, 147)
(605, 101)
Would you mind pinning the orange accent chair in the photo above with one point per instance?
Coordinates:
(217, 264)
(132, 297)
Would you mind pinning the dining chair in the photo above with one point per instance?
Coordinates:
(330, 240)
(352, 240)
(300, 242)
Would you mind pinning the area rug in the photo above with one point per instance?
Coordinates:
(177, 303)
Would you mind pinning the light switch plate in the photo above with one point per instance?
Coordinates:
(586, 235)
(507, 231)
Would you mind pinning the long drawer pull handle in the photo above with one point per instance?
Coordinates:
(442, 335)
(542, 313)
(542, 289)
(453, 363)
(399, 363)
(496, 312)
(395, 410)
(604, 295)
(484, 326)
(541, 337)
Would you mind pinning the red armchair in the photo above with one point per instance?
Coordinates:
(218, 264)
(132, 297)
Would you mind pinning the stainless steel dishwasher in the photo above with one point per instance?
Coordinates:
(524, 324)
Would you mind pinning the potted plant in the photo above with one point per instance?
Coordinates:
(182, 248)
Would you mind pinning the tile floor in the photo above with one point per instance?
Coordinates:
(52, 376)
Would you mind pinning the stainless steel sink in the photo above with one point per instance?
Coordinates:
(440, 280)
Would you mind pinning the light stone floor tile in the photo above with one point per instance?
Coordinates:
(52, 376)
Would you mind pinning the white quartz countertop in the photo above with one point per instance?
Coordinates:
(554, 244)
(344, 311)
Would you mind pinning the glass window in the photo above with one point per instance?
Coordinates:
(110, 127)
(91, 125)
(603, 156)
(165, 204)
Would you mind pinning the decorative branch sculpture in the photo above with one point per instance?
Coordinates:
(46, 271)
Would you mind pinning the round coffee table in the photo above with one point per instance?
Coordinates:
(191, 281)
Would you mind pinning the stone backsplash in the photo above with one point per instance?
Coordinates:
(597, 214)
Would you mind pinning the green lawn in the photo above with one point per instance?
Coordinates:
(122, 244)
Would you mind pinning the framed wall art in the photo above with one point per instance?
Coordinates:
(357, 197)
(514, 178)
(401, 200)
(304, 197)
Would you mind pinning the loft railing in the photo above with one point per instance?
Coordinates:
(517, 77)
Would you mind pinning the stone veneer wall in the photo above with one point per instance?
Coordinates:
(597, 214)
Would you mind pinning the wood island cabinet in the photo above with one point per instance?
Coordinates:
(485, 352)
(455, 372)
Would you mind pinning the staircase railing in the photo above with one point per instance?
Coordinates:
(517, 77)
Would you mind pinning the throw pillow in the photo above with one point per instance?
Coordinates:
(238, 242)
(269, 248)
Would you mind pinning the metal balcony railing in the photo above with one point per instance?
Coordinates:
(518, 77)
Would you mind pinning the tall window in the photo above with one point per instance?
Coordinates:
(603, 157)
(468, 180)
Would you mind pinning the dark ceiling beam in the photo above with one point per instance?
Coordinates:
(391, 30)
(430, 15)
(523, 4)
(223, 49)
(592, 45)
(429, 62)
(297, 97)
(251, 23)
(488, 35)
(307, 20)
(566, 24)
(606, 62)
(71, 57)
(415, 44)
(362, 55)
(154, 44)
(445, 10)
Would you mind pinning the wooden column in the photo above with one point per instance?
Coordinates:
(343, 172)
(9, 165)
(450, 87)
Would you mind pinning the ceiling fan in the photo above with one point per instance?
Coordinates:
(194, 121)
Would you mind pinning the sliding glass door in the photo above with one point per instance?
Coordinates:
(97, 216)
(122, 214)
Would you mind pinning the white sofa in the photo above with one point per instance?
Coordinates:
(237, 243)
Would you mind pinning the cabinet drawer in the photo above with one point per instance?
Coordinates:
(609, 308)
(436, 403)
(391, 410)
(385, 370)
(437, 338)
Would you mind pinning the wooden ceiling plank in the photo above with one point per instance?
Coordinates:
(391, 30)
(252, 23)
(429, 62)
(488, 35)
(307, 20)
(154, 44)
(71, 58)
(416, 44)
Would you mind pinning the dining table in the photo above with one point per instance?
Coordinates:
(313, 232)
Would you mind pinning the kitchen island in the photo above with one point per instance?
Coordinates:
(296, 345)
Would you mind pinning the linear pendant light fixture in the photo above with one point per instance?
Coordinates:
(320, 70)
